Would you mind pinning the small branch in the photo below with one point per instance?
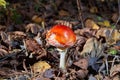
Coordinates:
(118, 17)
(24, 66)
(80, 12)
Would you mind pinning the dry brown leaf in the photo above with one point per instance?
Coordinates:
(34, 28)
(82, 63)
(111, 36)
(115, 17)
(116, 35)
(40, 67)
(40, 78)
(2, 27)
(37, 19)
(104, 32)
(92, 46)
(34, 47)
(82, 73)
(99, 76)
(115, 70)
(87, 32)
(89, 23)
(80, 42)
(4, 36)
(107, 78)
(7, 37)
(16, 35)
(3, 52)
(117, 47)
(93, 9)
(117, 77)
(19, 33)
(60, 78)
(63, 13)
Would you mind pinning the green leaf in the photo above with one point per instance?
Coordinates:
(113, 26)
(112, 51)
(99, 18)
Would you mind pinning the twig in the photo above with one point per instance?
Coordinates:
(118, 17)
(106, 63)
(24, 66)
(114, 59)
(80, 12)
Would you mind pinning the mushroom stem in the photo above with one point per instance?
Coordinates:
(62, 63)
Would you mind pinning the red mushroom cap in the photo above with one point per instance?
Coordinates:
(61, 36)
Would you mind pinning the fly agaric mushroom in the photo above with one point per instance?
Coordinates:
(62, 37)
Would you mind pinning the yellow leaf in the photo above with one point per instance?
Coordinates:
(3, 3)
(105, 23)
(89, 23)
(40, 67)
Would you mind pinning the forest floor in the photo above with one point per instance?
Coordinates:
(26, 55)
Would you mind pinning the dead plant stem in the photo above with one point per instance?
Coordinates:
(80, 12)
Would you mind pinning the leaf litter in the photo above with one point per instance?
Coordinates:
(25, 54)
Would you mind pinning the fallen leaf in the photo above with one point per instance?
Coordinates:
(80, 42)
(82, 73)
(60, 78)
(49, 73)
(117, 77)
(40, 67)
(4, 36)
(111, 36)
(93, 9)
(34, 28)
(2, 28)
(82, 63)
(114, 17)
(40, 77)
(115, 70)
(16, 35)
(85, 32)
(99, 76)
(116, 35)
(89, 23)
(37, 19)
(91, 77)
(34, 48)
(107, 78)
(117, 47)
(3, 52)
(63, 13)
(112, 51)
(3, 3)
(92, 47)
(105, 23)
